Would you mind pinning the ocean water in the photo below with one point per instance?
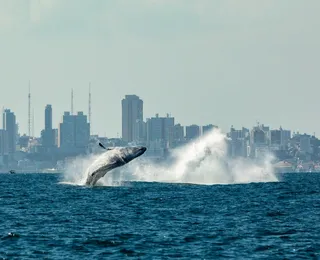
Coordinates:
(42, 218)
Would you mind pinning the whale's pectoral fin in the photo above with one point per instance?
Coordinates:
(101, 145)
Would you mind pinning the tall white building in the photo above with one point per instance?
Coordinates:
(239, 143)
(305, 143)
(207, 128)
(74, 132)
(158, 128)
(176, 136)
(279, 138)
(9, 124)
(260, 141)
(139, 131)
(48, 134)
(285, 137)
(192, 132)
(158, 134)
(4, 151)
(132, 112)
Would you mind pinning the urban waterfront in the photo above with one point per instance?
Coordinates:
(291, 151)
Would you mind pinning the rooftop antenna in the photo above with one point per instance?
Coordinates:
(71, 101)
(29, 112)
(89, 108)
(3, 124)
(32, 122)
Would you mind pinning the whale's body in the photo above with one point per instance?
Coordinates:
(110, 160)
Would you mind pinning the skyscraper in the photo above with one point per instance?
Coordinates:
(3, 147)
(132, 111)
(48, 117)
(207, 128)
(9, 124)
(47, 135)
(3, 143)
(158, 128)
(192, 132)
(74, 132)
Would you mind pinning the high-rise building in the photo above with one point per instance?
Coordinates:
(285, 137)
(74, 132)
(56, 136)
(176, 136)
(259, 141)
(9, 124)
(3, 142)
(177, 132)
(192, 132)
(260, 135)
(280, 138)
(3, 147)
(158, 128)
(239, 142)
(207, 128)
(48, 117)
(48, 135)
(132, 112)
(275, 137)
(305, 143)
(139, 132)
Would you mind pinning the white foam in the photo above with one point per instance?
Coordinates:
(204, 161)
(75, 171)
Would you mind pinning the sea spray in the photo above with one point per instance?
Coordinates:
(203, 161)
(75, 170)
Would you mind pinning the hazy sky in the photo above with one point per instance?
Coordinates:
(204, 61)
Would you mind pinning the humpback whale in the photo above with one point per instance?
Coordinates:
(111, 159)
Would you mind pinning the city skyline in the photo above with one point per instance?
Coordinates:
(219, 62)
(128, 126)
(160, 134)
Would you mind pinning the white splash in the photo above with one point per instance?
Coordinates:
(204, 161)
(75, 169)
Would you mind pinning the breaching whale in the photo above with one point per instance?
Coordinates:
(111, 159)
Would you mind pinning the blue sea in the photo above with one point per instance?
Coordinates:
(42, 218)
